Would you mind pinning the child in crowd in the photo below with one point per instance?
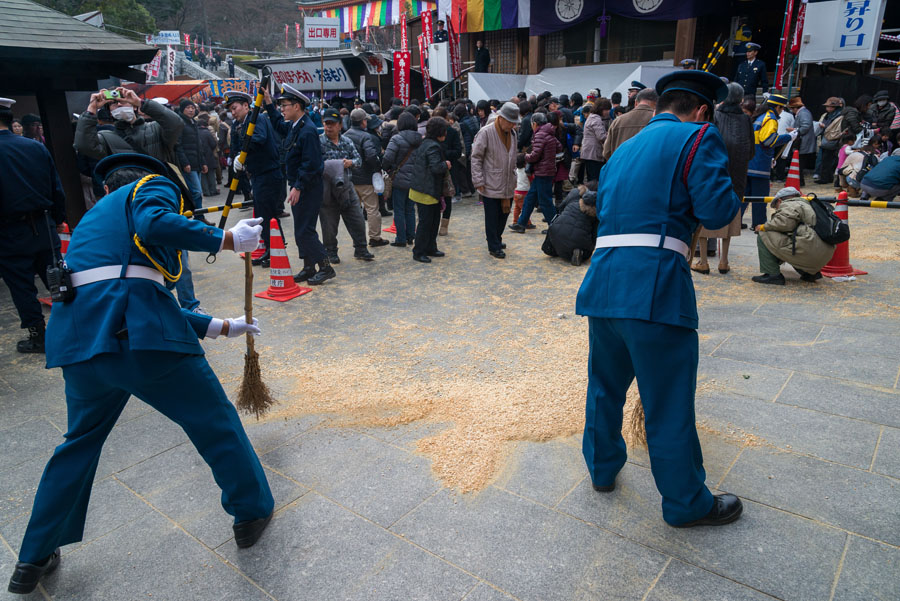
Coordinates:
(856, 165)
(523, 184)
(847, 142)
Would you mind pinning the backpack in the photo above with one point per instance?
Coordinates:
(835, 129)
(828, 226)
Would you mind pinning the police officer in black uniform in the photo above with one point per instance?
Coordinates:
(263, 163)
(304, 166)
(32, 203)
(440, 34)
(751, 74)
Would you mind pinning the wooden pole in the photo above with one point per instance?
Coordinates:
(248, 300)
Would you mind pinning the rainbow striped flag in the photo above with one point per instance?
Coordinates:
(378, 13)
(471, 16)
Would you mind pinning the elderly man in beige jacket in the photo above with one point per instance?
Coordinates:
(493, 163)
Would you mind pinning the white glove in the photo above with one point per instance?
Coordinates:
(245, 234)
(238, 165)
(229, 161)
(238, 326)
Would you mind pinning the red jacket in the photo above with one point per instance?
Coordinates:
(544, 146)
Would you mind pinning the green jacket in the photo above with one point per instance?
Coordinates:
(807, 252)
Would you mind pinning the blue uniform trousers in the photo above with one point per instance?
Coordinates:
(664, 360)
(757, 186)
(306, 214)
(268, 196)
(25, 251)
(181, 387)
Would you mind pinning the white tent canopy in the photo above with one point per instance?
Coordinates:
(609, 78)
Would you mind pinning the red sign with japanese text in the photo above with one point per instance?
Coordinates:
(427, 28)
(798, 29)
(404, 39)
(402, 62)
(455, 59)
(423, 54)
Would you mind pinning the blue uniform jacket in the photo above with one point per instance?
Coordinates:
(87, 325)
(752, 75)
(765, 134)
(29, 181)
(641, 192)
(303, 159)
(263, 156)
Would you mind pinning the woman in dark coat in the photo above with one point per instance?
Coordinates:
(573, 233)
(426, 189)
(399, 160)
(737, 131)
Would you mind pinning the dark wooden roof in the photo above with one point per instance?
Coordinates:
(36, 41)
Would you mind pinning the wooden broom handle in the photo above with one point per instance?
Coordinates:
(248, 298)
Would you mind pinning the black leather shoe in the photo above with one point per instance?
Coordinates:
(373, 242)
(35, 341)
(421, 259)
(609, 488)
(810, 277)
(517, 228)
(305, 274)
(334, 259)
(498, 254)
(363, 255)
(777, 280)
(726, 509)
(26, 576)
(437, 253)
(530, 226)
(261, 259)
(247, 533)
(401, 244)
(326, 272)
(503, 245)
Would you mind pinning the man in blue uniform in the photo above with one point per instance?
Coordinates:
(263, 163)
(639, 297)
(124, 334)
(304, 166)
(751, 73)
(32, 208)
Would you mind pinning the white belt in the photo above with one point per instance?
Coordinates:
(114, 272)
(651, 240)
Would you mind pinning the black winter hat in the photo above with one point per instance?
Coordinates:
(186, 102)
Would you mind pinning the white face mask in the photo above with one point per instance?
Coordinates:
(123, 113)
(881, 102)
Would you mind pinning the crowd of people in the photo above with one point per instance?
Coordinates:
(361, 165)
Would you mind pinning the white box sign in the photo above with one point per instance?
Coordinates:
(320, 32)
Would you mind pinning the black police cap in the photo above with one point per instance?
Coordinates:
(133, 160)
(129, 160)
(708, 87)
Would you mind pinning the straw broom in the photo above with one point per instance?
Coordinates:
(253, 395)
(634, 428)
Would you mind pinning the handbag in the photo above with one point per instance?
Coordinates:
(389, 177)
(448, 189)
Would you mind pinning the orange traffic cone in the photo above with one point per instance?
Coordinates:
(392, 229)
(282, 286)
(64, 238)
(839, 265)
(793, 178)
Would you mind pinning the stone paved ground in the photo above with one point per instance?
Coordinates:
(799, 416)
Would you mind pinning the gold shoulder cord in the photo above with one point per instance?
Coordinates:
(137, 241)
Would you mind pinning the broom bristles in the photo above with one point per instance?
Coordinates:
(634, 429)
(253, 395)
